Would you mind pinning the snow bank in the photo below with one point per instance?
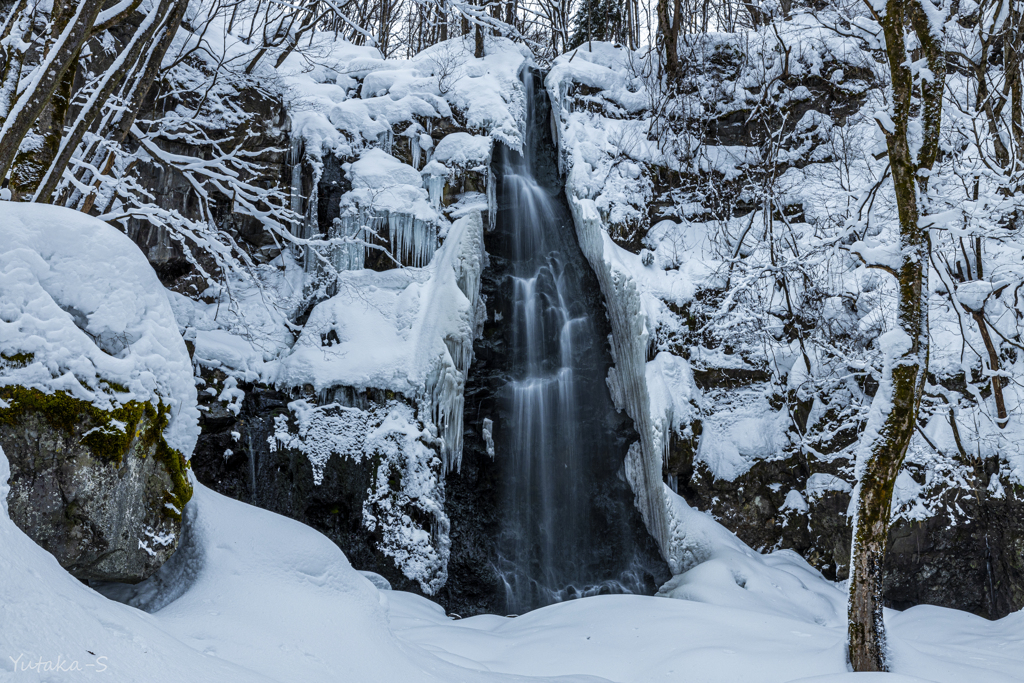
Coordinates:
(80, 304)
(753, 621)
(249, 596)
(465, 150)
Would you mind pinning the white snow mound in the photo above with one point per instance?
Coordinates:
(82, 301)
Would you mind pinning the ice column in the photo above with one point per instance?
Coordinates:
(351, 254)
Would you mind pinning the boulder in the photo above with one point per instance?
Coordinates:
(98, 409)
(100, 490)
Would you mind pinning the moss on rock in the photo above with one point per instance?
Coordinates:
(101, 463)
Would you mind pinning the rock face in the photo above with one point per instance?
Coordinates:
(968, 555)
(99, 490)
(281, 480)
(769, 451)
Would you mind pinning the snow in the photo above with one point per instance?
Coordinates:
(740, 433)
(252, 596)
(795, 502)
(409, 330)
(486, 91)
(463, 149)
(83, 301)
(819, 483)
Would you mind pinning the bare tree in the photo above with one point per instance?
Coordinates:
(917, 99)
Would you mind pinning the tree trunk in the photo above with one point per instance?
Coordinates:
(30, 165)
(994, 366)
(17, 33)
(669, 16)
(44, 80)
(478, 48)
(895, 408)
(160, 17)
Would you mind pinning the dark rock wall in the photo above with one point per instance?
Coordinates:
(968, 556)
(281, 480)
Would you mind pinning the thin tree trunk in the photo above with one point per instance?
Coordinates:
(158, 18)
(994, 366)
(44, 80)
(668, 35)
(478, 48)
(895, 408)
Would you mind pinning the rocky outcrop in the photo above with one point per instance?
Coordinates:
(235, 457)
(100, 490)
(767, 448)
(967, 552)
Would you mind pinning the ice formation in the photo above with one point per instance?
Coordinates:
(413, 240)
(409, 330)
(390, 435)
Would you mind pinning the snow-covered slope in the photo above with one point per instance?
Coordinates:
(252, 596)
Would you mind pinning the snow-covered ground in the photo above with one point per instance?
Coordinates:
(252, 596)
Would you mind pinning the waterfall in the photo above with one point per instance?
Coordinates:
(566, 513)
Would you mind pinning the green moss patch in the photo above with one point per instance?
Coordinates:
(109, 433)
(16, 360)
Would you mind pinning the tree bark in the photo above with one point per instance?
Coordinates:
(478, 34)
(896, 405)
(669, 16)
(45, 79)
(994, 366)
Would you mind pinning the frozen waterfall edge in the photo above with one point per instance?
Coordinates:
(663, 511)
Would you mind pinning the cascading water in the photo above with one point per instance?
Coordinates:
(567, 524)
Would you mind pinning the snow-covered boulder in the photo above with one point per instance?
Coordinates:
(97, 403)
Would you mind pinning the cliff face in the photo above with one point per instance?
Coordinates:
(702, 214)
(744, 376)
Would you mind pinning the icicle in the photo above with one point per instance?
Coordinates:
(413, 241)
(435, 189)
(312, 223)
(296, 192)
(492, 203)
(386, 139)
(350, 255)
(426, 143)
(445, 403)
(414, 145)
